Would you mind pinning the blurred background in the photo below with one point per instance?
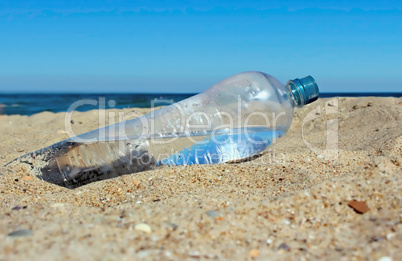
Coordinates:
(187, 46)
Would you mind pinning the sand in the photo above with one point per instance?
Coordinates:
(289, 203)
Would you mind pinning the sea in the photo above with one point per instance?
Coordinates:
(32, 103)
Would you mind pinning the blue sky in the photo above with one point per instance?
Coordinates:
(186, 46)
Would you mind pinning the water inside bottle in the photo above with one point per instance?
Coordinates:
(76, 164)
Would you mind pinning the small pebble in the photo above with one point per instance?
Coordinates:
(389, 236)
(254, 253)
(18, 207)
(20, 233)
(284, 247)
(143, 227)
(213, 213)
(136, 182)
(359, 207)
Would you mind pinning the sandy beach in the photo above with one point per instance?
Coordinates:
(289, 203)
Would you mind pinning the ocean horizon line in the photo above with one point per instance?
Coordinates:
(32, 103)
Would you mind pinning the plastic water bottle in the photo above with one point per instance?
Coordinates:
(234, 119)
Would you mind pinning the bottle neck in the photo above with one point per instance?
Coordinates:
(296, 94)
(303, 90)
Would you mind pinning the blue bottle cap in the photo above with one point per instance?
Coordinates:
(306, 87)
